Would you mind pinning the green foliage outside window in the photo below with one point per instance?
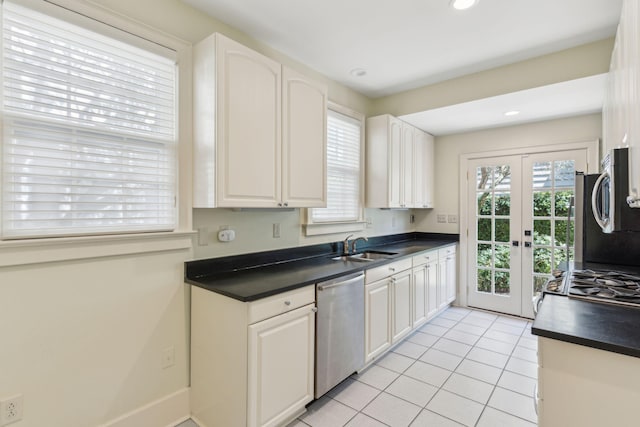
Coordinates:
(492, 231)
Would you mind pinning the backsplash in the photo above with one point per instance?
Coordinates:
(254, 229)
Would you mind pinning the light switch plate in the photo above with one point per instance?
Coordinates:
(452, 219)
(442, 218)
(203, 236)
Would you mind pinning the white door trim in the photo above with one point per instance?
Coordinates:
(593, 166)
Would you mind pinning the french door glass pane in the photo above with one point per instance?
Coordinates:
(493, 195)
(553, 232)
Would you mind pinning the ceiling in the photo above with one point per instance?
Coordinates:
(404, 44)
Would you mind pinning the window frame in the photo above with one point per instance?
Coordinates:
(29, 251)
(311, 227)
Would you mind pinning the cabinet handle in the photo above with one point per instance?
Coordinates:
(287, 303)
(286, 203)
(314, 309)
(426, 257)
(279, 204)
(392, 269)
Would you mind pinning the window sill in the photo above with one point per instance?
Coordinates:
(35, 251)
(333, 228)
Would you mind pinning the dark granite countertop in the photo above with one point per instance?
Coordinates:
(593, 324)
(254, 276)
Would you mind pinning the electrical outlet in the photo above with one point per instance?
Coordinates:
(369, 222)
(168, 357)
(10, 409)
(276, 230)
(412, 219)
(442, 218)
(452, 219)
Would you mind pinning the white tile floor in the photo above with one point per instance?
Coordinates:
(465, 367)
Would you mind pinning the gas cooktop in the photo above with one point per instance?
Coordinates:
(614, 287)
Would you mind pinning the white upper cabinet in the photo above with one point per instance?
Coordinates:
(304, 141)
(399, 164)
(249, 127)
(408, 134)
(423, 175)
(621, 127)
(259, 130)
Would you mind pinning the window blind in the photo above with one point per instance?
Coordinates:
(89, 131)
(343, 170)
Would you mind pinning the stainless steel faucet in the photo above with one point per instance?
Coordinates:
(345, 245)
(353, 244)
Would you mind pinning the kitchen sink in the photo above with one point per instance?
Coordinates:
(366, 256)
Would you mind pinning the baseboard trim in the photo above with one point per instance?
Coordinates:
(167, 411)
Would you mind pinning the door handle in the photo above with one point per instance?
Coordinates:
(597, 212)
(336, 284)
(515, 243)
(527, 244)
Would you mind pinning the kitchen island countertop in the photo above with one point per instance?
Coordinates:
(593, 324)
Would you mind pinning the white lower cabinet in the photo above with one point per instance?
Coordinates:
(280, 382)
(447, 276)
(425, 286)
(419, 296)
(586, 387)
(377, 325)
(252, 364)
(401, 303)
(450, 273)
(387, 306)
(402, 296)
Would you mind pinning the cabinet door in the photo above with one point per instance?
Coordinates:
(401, 305)
(394, 148)
(451, 276)
(304, 141)
(419, 177)
(248, 127)
(377, 319)
(432, 287)
(422, 169)
(419, 296)
(406, 198)
(442, 282)
(281, 366)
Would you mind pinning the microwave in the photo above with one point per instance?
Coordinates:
(609, 196)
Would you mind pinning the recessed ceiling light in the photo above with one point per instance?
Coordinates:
(358, 72)
(463, 4)
(512, 113)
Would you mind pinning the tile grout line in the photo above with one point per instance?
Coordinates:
(438, 338)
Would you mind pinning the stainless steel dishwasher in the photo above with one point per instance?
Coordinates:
(339, 330)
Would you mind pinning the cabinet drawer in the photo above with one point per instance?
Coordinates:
(448, 251)
(425, 258)
(281, 303)
(387, 270)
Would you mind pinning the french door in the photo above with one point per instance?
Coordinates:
(519, 226)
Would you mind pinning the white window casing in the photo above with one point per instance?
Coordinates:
(89, 128)
(345, 133)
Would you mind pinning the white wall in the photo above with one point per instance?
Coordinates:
(254, 229)
(449, 148)
(82, 340)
